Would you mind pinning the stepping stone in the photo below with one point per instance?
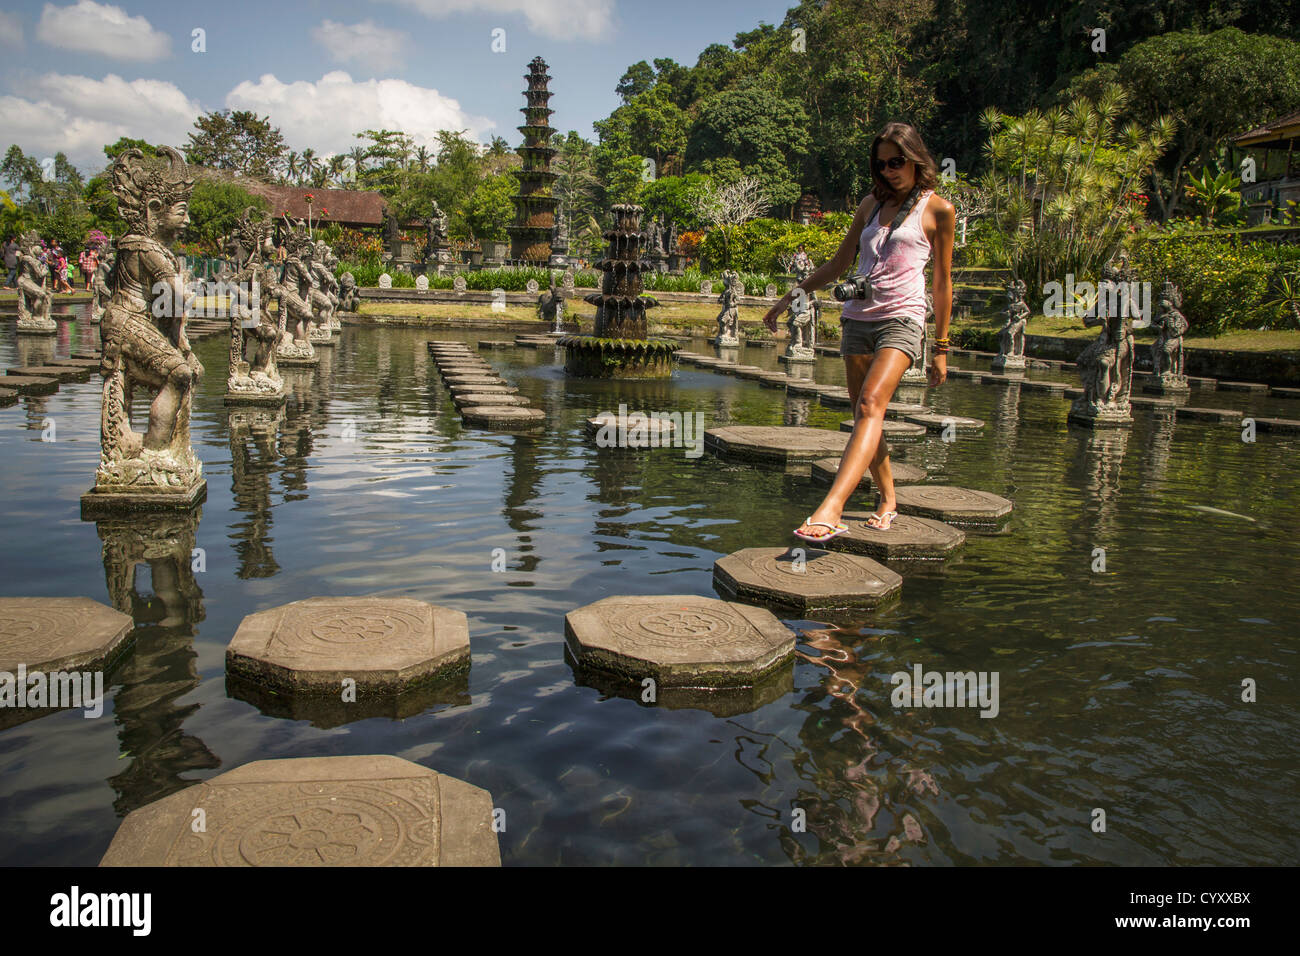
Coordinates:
(450, 349)
(90, 363)
(760, 343)
(835, 397)
(1156, 388)
(1242, 386)
(1284, 393)
(788, 445)
(909, 538)
(937, 423)
(1000, 378)
(465, 368)
(774, 380)
(813, 581)
(965, 373)
(463, 379)
(1037, 385)
(824, 470)
(92, 354)
(640, 431)
(810, 388)
(29, 385)
(894, 430)
(60, 373)
(1281, 426)
(900, 409)
(829, 350)
(1072, 393)
(487, 398)
(7, 397)
(495, 344)
(387, 645)
(679, 640)
(1210, 414)
(963, 507)
(737, 369)
(482, 390)
(1144, 401)
(752, 374)
(314, 811)
(1200, 381)
(503, 416)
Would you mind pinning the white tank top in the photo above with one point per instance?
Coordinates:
(898, 285)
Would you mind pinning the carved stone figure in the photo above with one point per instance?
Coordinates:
(729, 317)
(33, 297)
(550, 307)
(100, 285)
(294, 293)
(802, 326)
(257, 380)
(1011, 338)
(349, 294)
(332, 288)
(435, 232)
(1167, 351)
(322, 303)
(1106, 369)
(143, 330)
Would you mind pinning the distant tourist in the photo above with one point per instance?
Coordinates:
(88, 262)
(11, 263)
(59, 269)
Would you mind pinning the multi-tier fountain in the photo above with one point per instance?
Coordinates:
(530, 236)
(620, 347)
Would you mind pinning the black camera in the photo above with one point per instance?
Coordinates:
(859, 287)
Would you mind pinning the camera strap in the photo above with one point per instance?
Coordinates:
(903, 212)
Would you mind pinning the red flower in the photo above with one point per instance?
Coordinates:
(309, 197)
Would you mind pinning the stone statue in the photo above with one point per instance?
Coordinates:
(436, 232)
(729, 317)
(670, 243)
(1167, 352)
(1011, 338)
(100, 285)
(656, 238)
(143, 330)
(257, 380)
(550, 307)
(332, 288)
(1106, 368)
(322, 303)
(802, 326)
(349, 294)
(294, 293)
(34, 298)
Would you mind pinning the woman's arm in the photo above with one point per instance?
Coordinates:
(945, 223)
(832, 268)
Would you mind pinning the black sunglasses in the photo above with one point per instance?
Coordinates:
(896, 162)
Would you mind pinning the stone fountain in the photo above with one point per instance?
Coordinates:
(620, 347)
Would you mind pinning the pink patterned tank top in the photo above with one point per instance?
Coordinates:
(898, 284)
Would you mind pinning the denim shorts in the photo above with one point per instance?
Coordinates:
(860, 337)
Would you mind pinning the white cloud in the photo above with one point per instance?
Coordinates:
(365, 42)
(91, 27)
(325, 115)
(78, 115)
(11, 30)
(560, 19)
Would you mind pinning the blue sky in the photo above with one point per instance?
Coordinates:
(75, 74)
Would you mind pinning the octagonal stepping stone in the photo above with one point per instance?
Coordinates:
(909, 538)
(50, 651)
(894, 430)
(386, 645)
(835, 396)
(482, 390)
(899, 409)
(487, 398)
(495, 344)
(7, 397)
(679, 640)
(1242, 386)
(1210, 414)
(935, 422)
(963, 507)
(774, 380)
(809, 388)
(824, 470)
(30, 385)
(503, 416)
(816, 580)
(315, 811)
(777, 444)
(641, 431)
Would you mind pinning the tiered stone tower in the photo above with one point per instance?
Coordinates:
(530, 236)
(620, 348)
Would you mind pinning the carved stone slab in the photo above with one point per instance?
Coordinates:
(909, 538)
(315, 811)
(893, 430)
(936, 422)
(959, 506)
(385, 644)
(487, 398)
(679, 640)
(52, 634)
(810, 581)
(824, 470)
(784, 445)
(503, 416)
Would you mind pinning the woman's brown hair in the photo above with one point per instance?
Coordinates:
(910, 144)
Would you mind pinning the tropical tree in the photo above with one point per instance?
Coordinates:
(730, 206)
(1212, 193)
(237, 140)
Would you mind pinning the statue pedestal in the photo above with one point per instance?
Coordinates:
(264, 398)
(1166, 384)
(1008, 363)
(106, 503)
(725, 341)
(37, 327)
(296, 354)
(320, 335)
(1083, 412)
(797, 355)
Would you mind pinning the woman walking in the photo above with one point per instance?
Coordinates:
(898, 227)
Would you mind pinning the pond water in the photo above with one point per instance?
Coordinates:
(1118, 690)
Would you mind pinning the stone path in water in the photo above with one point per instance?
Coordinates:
(484, 398)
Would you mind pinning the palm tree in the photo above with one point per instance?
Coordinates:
(422, 159)
(358, 156)
(309, 164)
(335, 167)
(291, 166)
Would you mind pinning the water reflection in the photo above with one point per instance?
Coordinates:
(253, 460)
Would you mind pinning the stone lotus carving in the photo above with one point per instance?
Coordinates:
(729, 317)
(1167, 352)
(251, 319)
(1011, 337)
(34, 297)
(143, 331)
